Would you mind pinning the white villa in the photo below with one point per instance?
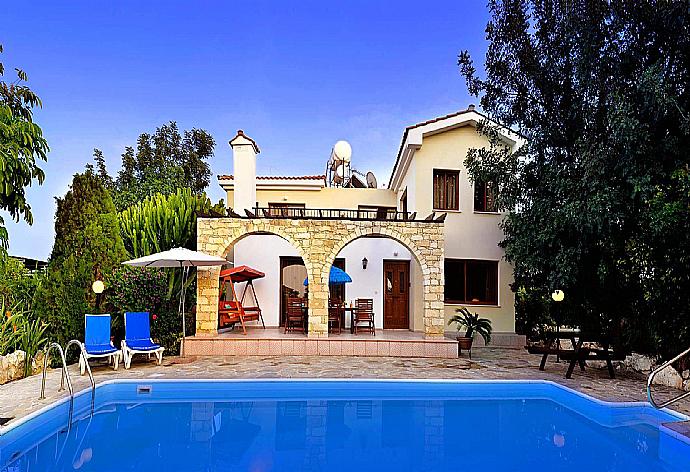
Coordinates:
(428, 176)
(428, 184)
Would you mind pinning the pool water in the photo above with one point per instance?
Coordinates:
(337, 425)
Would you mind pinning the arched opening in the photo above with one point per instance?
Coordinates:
(386, 270)
(283, 264)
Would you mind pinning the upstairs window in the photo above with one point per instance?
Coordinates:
(485, 197)
(446, 192)
(471, 282)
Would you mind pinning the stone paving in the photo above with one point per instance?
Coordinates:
(19, 398)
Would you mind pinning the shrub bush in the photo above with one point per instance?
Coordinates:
(144, 289)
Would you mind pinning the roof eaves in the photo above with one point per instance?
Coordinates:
(469, 109)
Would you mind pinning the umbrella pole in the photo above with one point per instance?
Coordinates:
(182, 297)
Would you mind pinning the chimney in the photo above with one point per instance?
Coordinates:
(244, 151)
(470, 107)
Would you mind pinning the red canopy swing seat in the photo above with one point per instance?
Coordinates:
(234, 310)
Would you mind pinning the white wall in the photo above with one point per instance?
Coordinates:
(262, 252)
(468, 235)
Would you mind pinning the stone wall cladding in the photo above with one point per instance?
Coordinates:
(318, 242)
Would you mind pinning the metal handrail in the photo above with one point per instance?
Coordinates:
(82, 354)
(653, 374)
(65, 373)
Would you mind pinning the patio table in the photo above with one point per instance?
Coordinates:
(352, 310)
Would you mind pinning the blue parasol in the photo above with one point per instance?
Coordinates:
(336, 277)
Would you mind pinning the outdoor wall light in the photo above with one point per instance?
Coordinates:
(365, 261)
(558, 295)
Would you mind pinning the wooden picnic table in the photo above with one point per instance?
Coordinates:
(579, 354)
(552, 346)
(582, 353)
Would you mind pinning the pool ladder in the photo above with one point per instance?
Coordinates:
(653, 374)
(65, 374)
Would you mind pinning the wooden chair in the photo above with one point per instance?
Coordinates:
(335, 314)
(364, 315)
(294, 317)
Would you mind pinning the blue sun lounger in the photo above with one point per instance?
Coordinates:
(138, 338)
(97, 343)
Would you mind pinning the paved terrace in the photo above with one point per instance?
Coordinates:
(19, 398)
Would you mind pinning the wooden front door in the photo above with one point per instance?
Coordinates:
(396, 294)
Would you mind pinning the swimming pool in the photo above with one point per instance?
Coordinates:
(354, 425)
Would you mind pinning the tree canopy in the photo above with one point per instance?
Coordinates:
(599, 195)
(21, 145)
(162, 163)
(87, 247)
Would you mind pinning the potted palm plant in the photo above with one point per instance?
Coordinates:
(472, 324)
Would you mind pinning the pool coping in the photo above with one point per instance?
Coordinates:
(610, 404)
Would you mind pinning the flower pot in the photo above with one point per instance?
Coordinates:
(466, 344)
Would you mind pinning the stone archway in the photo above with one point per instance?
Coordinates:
(425, 250)
(318, 241)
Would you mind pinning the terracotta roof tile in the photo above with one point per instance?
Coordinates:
(469, 109)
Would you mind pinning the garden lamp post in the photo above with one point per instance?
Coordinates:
(98, 286)
(558, 296)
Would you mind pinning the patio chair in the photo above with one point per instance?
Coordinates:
(97, 343)
(294, 318)
(364, 315)
(138, 338)
(335, 314)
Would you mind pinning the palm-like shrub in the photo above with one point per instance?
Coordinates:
(8, 329)
(472, 324)
(30, 339)
(19, 331)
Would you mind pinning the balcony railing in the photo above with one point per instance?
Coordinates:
(381, 214)
(333, 213)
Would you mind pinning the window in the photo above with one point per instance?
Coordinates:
(376, 212)
(446, 189)
(471, 281)
(485, 197)
(286, 209)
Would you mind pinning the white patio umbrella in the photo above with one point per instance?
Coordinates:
(184, 259)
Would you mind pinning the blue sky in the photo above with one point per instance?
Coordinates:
(296, 76)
